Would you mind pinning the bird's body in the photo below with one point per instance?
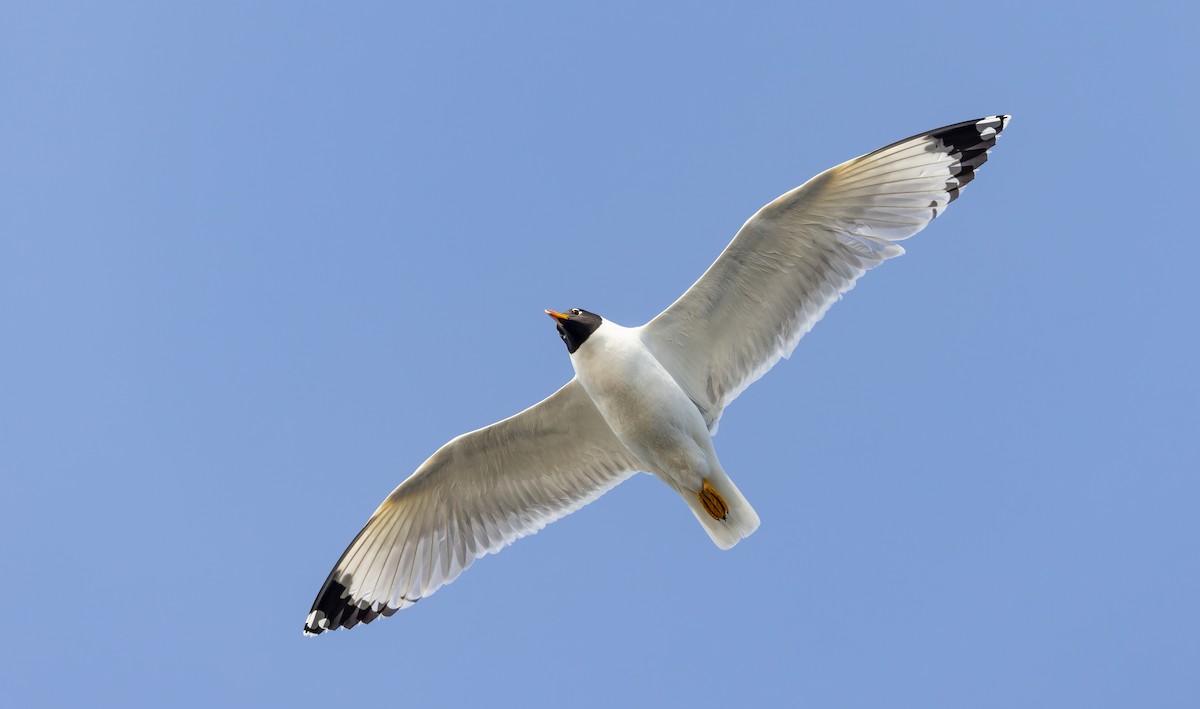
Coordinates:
(659, 424)
(643, 405)
(650, 398)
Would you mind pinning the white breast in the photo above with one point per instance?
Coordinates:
(644, 405)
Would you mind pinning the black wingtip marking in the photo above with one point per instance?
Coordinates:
(969, 142)
(330, 609)
(335, 609)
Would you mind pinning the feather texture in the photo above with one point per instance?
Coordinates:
(475, 495)
(796, 257)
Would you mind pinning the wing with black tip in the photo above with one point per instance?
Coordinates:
(475, 495)
(800, 253)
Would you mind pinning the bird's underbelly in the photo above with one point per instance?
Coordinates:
(654, 419)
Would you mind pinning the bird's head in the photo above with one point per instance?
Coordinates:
(575, 326)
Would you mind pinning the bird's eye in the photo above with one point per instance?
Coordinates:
(576, 311)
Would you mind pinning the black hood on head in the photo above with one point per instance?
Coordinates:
(576, 326)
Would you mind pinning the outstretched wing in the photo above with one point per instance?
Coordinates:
(800, 253)
(475, 495)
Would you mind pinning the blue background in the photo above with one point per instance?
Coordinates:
(258, 260)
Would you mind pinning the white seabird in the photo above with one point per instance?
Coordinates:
(649, 398)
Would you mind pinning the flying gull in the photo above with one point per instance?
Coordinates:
(649, 398)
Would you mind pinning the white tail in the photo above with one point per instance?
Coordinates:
(740, 521)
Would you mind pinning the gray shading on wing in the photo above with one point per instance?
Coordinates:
(475, 495)
(800, 253)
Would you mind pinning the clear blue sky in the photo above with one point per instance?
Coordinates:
(256, 263)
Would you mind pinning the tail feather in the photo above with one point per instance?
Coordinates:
(740, 521)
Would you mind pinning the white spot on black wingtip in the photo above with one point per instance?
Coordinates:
(316, 623)
(991, 122)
